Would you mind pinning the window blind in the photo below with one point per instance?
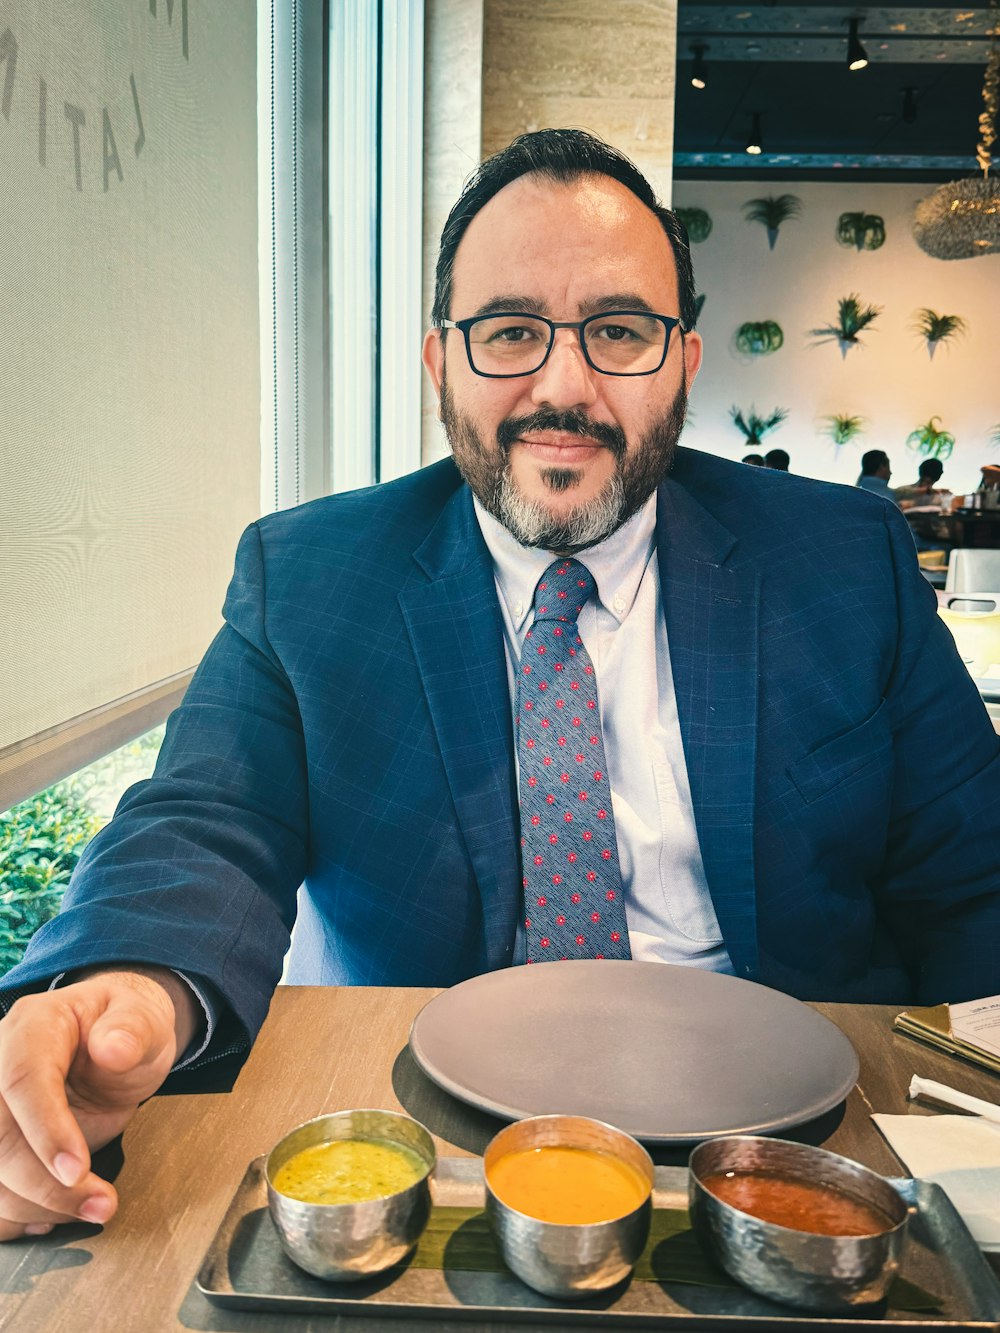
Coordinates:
(130, 390)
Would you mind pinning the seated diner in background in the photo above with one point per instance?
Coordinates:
(923, 491)
(875, 474)
(397, 736)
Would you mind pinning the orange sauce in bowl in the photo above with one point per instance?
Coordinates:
(798, 1204)
(573, 1186)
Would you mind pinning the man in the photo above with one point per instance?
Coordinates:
(923, 491)
(875, 473)
(402, 709)
(755, 460)
(777, 460)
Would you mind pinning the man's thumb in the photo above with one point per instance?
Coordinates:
(123, 1038)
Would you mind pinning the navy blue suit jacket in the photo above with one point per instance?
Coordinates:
(350, 728)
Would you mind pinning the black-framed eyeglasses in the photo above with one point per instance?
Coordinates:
(615, 342)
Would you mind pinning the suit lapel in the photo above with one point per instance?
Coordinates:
(456, 632)
(711, 611)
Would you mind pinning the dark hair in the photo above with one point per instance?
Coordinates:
(777, 459)
(931, 469)
(558, 155)
(755, 460)
(872, 461)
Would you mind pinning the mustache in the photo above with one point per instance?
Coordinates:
(570, 422)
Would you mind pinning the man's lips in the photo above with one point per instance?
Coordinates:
(559, 446)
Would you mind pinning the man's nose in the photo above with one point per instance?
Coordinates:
(566, 379)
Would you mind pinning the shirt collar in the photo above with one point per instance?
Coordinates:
(617, 563)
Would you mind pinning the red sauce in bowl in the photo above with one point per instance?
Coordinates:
(797, 1204)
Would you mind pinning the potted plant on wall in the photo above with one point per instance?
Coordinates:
(935, 328)
(865, 231)
(697, 224)
(772, 211)
(842, 428)
(852, 317)
(755, 427)
(930, 441)
(760, 338)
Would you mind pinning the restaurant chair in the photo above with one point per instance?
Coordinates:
(977, 637)
(934, 566)
(971, 569)
(970, 603)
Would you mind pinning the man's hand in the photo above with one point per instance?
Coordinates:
(74, 1065)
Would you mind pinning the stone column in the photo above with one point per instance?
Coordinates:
(453, 70)
(602, 65)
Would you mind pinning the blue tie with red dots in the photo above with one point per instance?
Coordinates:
(573, 903)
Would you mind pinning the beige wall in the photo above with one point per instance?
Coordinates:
(889, 379)
(498, 68)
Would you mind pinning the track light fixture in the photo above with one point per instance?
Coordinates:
(755, 144)
(857, 56)
(699, 70)
(909, 105)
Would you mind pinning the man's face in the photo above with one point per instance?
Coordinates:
(564, 456)
(885, 471)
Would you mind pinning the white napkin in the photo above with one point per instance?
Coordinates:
(961, 1153)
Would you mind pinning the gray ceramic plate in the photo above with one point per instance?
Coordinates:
(669, 1054)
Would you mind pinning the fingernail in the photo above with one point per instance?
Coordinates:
(38, 1229)
(96, 1209)
(68, 1168)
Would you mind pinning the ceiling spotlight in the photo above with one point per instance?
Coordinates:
(755, 144)
(857, 56)
(699, 70)
(909, 105)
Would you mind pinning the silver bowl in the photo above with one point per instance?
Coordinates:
(345, 1242)
(831, 1274)
(555, 1258)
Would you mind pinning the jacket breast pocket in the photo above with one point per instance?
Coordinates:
(845, 757)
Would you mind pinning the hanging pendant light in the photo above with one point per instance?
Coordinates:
(961, 220)
(699, 70)
(857, 56)
(755, 144)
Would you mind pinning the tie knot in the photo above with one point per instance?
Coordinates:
(563, 591)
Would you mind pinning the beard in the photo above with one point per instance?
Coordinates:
(533, 523)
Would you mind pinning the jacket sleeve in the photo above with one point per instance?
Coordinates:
(199, 868)
(941, 880)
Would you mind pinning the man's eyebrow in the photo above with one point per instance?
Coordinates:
(616, 301)
(526, 305)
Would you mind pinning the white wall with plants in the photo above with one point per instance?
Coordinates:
(817, 308)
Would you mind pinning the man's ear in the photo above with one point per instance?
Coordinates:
(692, 348)
(433, 358)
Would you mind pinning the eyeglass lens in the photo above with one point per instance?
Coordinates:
(518, 344)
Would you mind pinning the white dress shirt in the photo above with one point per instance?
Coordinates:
(669, 910)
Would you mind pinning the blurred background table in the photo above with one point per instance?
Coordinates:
(323, 1049)
(967, 527)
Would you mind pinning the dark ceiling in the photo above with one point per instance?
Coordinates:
(819, 120)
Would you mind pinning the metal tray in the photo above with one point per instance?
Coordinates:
(246, 1269)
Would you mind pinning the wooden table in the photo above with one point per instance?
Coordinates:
(975, 528)
(320, 1050)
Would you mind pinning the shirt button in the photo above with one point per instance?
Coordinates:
(519, 610)
(619, 603)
